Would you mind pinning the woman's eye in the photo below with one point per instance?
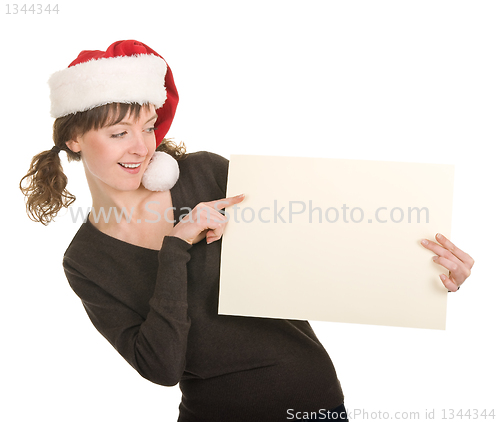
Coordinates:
(119, 135)
(151, 129)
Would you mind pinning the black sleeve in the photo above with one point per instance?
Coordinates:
(154, 346)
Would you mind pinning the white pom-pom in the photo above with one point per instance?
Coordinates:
(162, 172)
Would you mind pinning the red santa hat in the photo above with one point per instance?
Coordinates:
(127, 72)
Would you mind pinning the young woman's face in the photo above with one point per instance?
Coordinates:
(116, 156)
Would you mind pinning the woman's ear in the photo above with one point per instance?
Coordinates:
(74, 144)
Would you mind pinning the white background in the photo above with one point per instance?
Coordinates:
(382, 80)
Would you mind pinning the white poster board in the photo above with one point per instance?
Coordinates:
(335, 240)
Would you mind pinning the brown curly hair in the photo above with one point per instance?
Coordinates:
(45, 182)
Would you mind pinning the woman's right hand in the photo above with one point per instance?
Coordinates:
(205, 221)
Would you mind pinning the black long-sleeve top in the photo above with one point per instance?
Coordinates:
(159, 310)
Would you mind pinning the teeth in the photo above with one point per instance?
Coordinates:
(130, 166)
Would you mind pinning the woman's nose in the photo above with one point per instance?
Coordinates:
(139, 146)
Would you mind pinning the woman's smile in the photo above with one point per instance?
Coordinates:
(132, 168)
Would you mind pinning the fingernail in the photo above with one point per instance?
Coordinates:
(239, 196)
(442, 277)
(424, 242)
(434, 258)
(439, 235)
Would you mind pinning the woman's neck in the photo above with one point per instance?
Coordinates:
(112, 207)
(143, 218)
(137, 216)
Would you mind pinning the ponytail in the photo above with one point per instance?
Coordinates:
(45, 189)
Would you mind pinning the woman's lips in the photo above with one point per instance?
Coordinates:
(132, 168)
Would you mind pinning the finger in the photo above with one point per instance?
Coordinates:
(441, 251)
(211, 239)
(459, 272)
(215, 233)
(226, 202)
(464, 257)
(205, 213)
(449, 284)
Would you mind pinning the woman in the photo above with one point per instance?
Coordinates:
(146, 262)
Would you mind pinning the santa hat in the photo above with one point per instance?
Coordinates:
(127, 72)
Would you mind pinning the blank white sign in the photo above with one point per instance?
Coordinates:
(335, 240)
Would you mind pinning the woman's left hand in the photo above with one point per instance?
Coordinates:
(456, 261)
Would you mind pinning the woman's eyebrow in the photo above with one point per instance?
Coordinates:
(122, 122)
(152, 118)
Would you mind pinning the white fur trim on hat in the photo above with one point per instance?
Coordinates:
(125, 79)
(162, 172)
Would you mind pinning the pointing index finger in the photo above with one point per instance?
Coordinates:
(227, 202)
